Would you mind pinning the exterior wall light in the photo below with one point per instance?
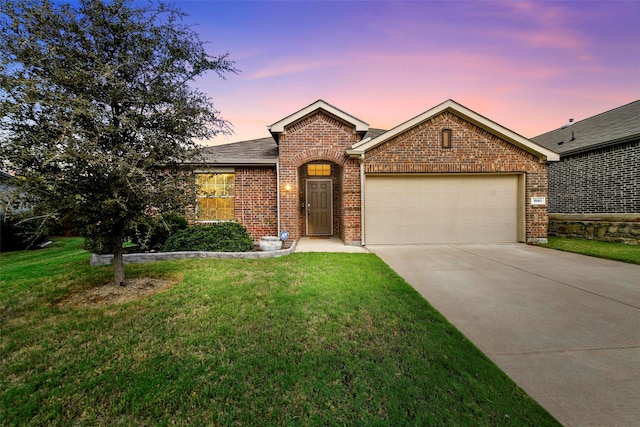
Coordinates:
(446, 138)
(287, 187)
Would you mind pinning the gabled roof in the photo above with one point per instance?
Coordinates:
(612, 127)
(463, 112)
(279, 126)
(252, 152)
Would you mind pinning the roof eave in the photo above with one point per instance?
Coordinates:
(355, 154)
(597, 146)
(233, 162)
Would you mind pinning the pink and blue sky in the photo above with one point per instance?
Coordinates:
(530, 66)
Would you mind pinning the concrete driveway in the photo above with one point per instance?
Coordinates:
(564, 327)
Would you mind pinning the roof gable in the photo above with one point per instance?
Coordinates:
(279, 127)
(615, 126)
(459, 110)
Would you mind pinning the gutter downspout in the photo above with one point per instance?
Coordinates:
(362, 201)
(278, 196)
(242, 186)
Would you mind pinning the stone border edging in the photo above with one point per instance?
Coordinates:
(106, 259)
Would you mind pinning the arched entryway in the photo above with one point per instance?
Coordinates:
(320, 198)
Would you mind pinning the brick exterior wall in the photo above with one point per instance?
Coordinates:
(599, 181)
(256, 201)
(321, 138)
(351, 225)
(473, 151)
(318, 137)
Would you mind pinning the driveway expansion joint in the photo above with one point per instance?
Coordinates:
(569, 350)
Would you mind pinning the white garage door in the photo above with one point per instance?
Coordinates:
(441, 209)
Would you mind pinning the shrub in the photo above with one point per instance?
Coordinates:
(22, 231)
(148, 233)
(218, 237)
(153, 232)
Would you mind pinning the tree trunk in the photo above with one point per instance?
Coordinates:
(118, 260)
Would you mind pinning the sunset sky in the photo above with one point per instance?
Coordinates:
(530, 66)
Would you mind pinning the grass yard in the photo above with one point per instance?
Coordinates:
(608, 250)
(307, 339)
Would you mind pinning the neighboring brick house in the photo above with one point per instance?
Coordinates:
(594, 190)
(447, 175)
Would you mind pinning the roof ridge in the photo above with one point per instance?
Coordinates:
(608, 111)
(589, 118)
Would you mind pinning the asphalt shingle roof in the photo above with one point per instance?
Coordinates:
(373, 132)
(257, 151)
(252, 151)
(611, 127)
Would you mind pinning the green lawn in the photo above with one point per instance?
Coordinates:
(614, 251)
(307, 339)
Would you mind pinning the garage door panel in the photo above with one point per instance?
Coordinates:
(441, 209)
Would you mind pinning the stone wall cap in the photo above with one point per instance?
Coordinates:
(610, 217)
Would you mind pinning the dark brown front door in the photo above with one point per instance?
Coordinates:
(319, 206)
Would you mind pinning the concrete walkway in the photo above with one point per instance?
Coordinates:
(564, 327)
(331, 244)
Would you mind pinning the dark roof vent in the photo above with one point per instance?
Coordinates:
(568, 124)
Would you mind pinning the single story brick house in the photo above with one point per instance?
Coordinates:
(594, 190)
(448, 175)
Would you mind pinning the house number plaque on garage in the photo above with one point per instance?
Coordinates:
(538, 200)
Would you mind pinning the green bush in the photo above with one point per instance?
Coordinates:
(146, 234)
(218, 237)
(153, 232)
